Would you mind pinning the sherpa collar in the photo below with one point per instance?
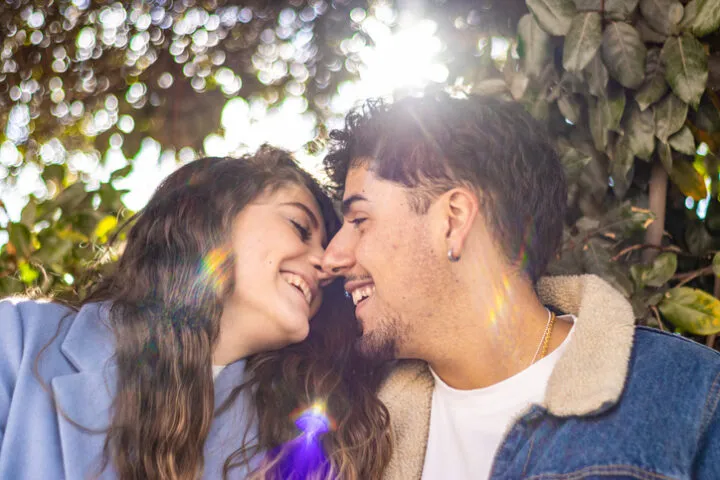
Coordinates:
(588, 378)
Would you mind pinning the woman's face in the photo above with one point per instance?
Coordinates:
(278, 243)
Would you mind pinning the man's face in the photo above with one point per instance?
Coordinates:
(384, 251)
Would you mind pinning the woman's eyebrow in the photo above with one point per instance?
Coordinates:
(313, 219)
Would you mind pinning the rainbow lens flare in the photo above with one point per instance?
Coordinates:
(211, 271)
(314, 420)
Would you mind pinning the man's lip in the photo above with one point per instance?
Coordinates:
(353, 285)
(314, 288)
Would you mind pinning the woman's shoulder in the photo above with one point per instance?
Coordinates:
(30, 324)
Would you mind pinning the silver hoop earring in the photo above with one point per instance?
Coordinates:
(452, 256)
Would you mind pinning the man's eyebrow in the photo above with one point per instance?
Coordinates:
(303, 207)
(347, 203)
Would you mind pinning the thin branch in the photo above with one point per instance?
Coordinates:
(657, 317)
(671, 248)
(690, 276)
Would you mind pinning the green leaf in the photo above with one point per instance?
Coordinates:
(571, 107)
(598, 124)
(612, 9)
(686, 67)
(640, 132)
(534, 43)
(624, 54)
(121, 172)
(621, 162)
(647, 34)
(71, 197)
(693, 310)
(697, 238)
(707, 117)
(663, 268)
(683, 141)
(10, 285)
(596, 260)
(716, 264)
(572, 82)
(582, 41)
(638, 274)
(628, 219)
(689, 14)
(105, 226)
(613, 106)
(670, 115)
(665, 154)
(688, 180)
(27, 273)
(20, 238)
(712, 217)
(596, 75)
(554, 16)
(29, 213)
(54, 173)
(572, 159)
(706, 18)
(654, 86)
(662, 15)
(52, 251)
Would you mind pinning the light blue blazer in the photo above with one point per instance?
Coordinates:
(37, 442)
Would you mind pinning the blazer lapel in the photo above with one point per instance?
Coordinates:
(83, 399)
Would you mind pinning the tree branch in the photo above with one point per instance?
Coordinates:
(658, 198)
(670, 248)
(690, 276)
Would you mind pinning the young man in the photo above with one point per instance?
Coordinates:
(452, 210)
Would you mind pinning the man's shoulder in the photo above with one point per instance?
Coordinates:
(674, 364)
(651, 341)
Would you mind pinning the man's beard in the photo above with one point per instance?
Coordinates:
(380, 345)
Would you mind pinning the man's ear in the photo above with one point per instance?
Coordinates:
(461, 207)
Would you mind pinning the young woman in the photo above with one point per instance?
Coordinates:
(206, 353)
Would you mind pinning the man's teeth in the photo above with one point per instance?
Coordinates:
(361, 293)
(297, 281)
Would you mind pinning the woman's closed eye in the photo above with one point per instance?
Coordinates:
(302, 230)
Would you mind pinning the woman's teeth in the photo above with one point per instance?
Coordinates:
(298, 282)
(359, 294)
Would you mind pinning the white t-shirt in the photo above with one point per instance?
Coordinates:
(467, 426)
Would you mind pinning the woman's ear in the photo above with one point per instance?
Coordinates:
(461, 207)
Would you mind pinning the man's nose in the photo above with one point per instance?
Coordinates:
(339, 256)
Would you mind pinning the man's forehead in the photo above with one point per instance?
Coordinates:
(357, 181)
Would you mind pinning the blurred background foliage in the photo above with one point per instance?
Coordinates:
(100, 100)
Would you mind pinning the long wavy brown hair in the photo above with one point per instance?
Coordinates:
(165, 316)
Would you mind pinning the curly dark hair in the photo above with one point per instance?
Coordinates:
(434, 143)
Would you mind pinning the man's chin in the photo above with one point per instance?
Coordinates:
(376, 346)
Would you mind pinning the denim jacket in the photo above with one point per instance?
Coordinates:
(622, 402)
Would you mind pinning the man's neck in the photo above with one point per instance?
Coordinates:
(488, 342)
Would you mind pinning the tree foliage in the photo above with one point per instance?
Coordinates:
(626, 87)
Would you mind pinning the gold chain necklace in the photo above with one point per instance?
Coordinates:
(545, 340)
